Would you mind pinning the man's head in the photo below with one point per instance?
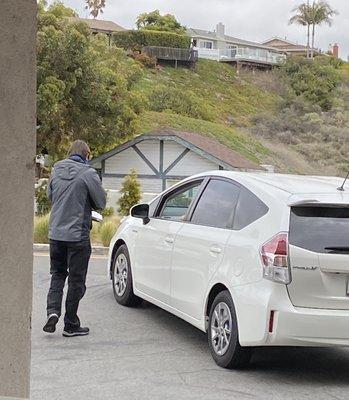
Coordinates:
(79, 147)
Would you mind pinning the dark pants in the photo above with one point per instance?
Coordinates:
(68, 259)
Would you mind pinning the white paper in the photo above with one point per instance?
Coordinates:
(97, 216)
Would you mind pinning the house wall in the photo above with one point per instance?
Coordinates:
(121, 164)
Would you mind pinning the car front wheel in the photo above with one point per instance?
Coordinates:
(223, 337)
(122, 278)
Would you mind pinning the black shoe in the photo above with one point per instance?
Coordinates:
(51, 323)
(76, 332)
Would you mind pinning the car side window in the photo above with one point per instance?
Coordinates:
(176, 205)
(217, 204)
(249, 209)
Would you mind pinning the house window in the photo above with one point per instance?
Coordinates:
(206, 44)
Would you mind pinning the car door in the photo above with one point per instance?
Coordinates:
(154, 242)
(200, 244)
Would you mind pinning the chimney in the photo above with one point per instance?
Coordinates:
(220, 28)
(335, 50)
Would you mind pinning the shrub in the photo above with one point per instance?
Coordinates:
(108, 212)
(131, 193)
(41, 225)
(181, 102)
(135, 40)
(145, 60)
(316, 81)
(42, 200)
(108, 229)
(94, 234)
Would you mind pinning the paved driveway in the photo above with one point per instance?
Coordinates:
(146, 353)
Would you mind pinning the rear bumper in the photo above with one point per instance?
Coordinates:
(293, 326)
(310, 327)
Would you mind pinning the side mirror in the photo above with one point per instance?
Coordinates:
(141, 211)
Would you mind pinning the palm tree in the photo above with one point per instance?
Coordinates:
(321, 12)
(302, 17)
(95, 7)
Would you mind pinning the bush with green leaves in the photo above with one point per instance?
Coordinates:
(108, 212)
(183, 102)
(135, 40)
(41, 225)
(42, 201)
(314, 80)
(130, 193)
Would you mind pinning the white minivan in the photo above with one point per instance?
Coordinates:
(253, 259)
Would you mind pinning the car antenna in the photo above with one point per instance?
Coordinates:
(341, 188)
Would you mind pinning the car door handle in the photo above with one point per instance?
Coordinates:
(135, 230)
(169, 239)
(216, 250)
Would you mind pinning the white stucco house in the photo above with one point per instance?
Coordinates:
(216, 45)
(163, 158)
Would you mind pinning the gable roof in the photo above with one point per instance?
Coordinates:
(206, 147)
(285, 42)
(213, 36)
(99, 25)
(287, 45)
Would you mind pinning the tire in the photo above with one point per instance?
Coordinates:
(122, 279)
(225, 348)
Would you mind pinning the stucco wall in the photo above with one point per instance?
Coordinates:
(17, 150)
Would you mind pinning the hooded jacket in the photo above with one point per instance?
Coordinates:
(74, 190)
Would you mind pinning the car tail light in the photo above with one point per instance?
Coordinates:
(274, 255)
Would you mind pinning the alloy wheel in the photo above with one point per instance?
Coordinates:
(221, 327)
(121, 273)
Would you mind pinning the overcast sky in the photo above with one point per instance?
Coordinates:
(255, 20)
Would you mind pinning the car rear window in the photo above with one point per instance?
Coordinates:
(320, 229)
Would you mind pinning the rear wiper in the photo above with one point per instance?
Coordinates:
(338, 248)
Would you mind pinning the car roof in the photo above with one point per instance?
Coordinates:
(287, 183)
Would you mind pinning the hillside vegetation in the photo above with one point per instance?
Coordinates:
(295, 118)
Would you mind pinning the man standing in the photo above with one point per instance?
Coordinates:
(75, 190)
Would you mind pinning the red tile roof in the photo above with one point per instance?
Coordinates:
(212, 147)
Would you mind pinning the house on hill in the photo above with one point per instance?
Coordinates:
(163, 158)
(288, 47)
(218, 46)
(100, 26)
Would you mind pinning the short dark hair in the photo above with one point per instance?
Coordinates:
(79, 147)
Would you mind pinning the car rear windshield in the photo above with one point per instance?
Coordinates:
(320, 229)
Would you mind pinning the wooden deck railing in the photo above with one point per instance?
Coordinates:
(171, 53)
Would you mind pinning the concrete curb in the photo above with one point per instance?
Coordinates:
(45, 248)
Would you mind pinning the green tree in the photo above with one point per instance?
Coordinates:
(302, 16)
(155, 21)
(95, 7)
(84, 87)
(131, 193)
(321, 12)
(311, 15)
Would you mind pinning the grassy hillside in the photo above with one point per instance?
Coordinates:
(216, 87)
(254, 114)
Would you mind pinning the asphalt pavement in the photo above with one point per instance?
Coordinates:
(146, 353)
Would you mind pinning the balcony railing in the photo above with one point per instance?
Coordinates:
(171, 53)
(242, 53)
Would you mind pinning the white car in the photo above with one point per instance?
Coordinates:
(253, 259)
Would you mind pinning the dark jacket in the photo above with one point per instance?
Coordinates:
(74, 189)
